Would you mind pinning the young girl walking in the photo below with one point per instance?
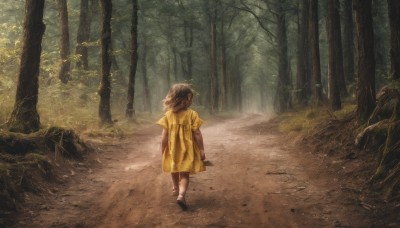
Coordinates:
(182, 146)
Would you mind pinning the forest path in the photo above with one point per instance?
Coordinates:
(257, 179)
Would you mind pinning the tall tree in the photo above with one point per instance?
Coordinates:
(130, 109)
(381, 41)
(223, 87)
(236, 84)
(83, 35)
(24, 117)
(282, 97)
(348, 41)
(146, 88)
(315, 54)
(366, 61)
(303, 60)
(64, 42)
(213, 61)
(105, 84)
(186, 55)
(394, 18)
(333, 74)
(339, 50)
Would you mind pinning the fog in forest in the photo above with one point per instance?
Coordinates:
(301, 100)
(173, 42)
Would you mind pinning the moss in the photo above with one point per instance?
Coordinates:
(307, 119)
(4, 169)
(346, 109)
(35, 157)
(386, 116)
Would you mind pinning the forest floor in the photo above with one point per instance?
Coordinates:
(256, 177)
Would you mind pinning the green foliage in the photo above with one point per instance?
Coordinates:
(71, 105)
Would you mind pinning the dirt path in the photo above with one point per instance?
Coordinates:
(257, 179)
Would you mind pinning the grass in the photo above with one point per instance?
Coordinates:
(306, 119)
(4, 169)
(75, 106)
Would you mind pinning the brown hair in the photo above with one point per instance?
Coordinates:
(178, 97)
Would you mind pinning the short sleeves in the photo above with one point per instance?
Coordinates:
(196, 122)
(163, 122)
(182, 154)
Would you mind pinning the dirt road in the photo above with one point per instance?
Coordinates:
(257, 179)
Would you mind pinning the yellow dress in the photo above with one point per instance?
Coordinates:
(182, 153)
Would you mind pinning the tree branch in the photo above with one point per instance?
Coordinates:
(262, 25)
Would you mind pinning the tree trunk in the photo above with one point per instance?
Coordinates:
(366, 61)
(189, 53)
(348, 41)
(186, 57)
(147, 96)
(213, 64)
(333, 75)
(237, 85)
(63, 75)
(175, 63)
(24, 117)
(105, 84)
(182, 57)
(83, 35)
(303, 63)
(282, 98)
(381, 41)
(339, 50)
(168, 74)
(223, 94)
(394, 18)
(130, 109)
(315, 55)
(316, 85)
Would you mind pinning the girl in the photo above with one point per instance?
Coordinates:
(182, 146)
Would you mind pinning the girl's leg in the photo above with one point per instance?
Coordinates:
(184, 183)
(175, 182)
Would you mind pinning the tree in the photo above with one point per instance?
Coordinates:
(303, 61)
(339, 50)
(105, 84)
(366, 61)
(237, 98)
(348, 41)
(186, 55)
(130, 110)
(146, 88)
(315, 55)
(333, 74)
(83, 35)
(224, 79)
(24, 117)
(213, 60)
(282, 100)
(382, 41)
(282, 97)
(64, 42)
(394, 18)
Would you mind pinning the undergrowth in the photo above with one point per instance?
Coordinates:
(303, 121)
(75, 106)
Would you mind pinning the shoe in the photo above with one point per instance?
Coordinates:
(175, 192)
(181, 202)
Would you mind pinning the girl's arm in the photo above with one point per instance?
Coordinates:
(164, 140)
(198, 138)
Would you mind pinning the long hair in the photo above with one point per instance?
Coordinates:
(178, 97)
